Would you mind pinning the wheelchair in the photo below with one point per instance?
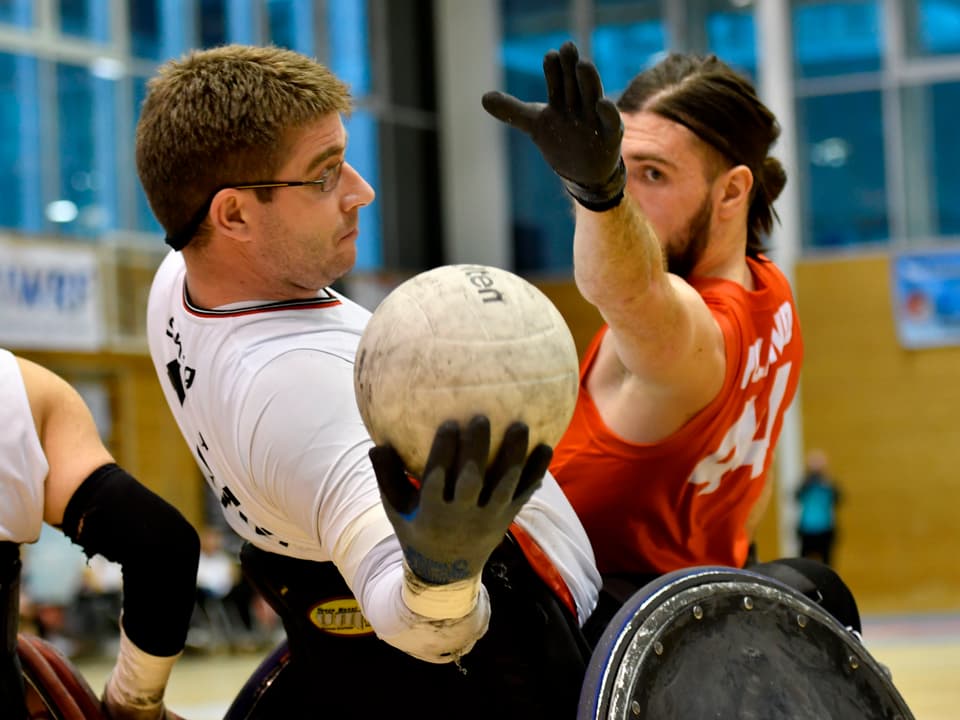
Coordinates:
(37, 681)
(709, 642)
(706, 642)
(53, 688)
(714, 642)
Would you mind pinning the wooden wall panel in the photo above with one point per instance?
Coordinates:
(888, 419)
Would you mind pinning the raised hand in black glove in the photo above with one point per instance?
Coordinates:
(450, 524)
(578, 131)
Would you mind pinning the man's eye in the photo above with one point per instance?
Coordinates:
(329, 177)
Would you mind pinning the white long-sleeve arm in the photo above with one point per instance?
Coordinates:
(369, 556)
(379, 590)
(310, 463)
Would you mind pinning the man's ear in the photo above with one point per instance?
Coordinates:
(228, 212)
(734, 188)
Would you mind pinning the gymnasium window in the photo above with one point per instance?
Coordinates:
(932, 27)
(72, 82)
(932, 156)
(16, 12)
(841, 150)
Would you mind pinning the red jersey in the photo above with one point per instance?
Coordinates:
(684, 500)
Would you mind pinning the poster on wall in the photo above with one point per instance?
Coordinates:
(50, 297)
(926, 296)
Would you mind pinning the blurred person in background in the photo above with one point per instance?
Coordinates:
(54, 469)
(53, 570)
(100, 603)
(818, 497)
(222, 619)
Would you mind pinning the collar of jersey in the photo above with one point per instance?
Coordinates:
(324, 299)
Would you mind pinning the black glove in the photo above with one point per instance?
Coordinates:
(578, 131)
(450, 524)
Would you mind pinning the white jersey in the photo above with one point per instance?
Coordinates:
(23, 466)
(264, 395)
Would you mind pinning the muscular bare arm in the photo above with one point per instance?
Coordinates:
(68, 435)
(664, 351)
(662, 333)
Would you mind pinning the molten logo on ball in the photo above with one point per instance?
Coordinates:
(458, 341)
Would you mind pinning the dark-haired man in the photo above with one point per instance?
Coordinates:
(684, 388)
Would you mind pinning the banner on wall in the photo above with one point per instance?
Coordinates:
(50, 298)
(927, 298)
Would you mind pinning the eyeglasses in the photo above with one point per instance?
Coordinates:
(326, 183)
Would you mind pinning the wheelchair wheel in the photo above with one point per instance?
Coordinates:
(264, 680)
(54, 689)
(721, 642)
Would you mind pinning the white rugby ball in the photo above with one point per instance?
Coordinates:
(462, 340)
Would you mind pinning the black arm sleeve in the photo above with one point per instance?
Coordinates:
(113, 515)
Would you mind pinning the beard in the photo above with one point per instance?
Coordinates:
(685, 248)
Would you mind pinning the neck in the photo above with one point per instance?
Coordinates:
(726, 259)
(214, 279)
(734, 269)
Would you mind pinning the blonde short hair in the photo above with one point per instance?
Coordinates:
(221, 116)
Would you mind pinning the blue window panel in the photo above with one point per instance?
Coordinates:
(944, 149)
(241, 23)
(104, 175)
(20, 163)
(542, 223)
(541, 217)
(349, 42)
(178, 27)
(87, 19)
(144, 19)
(834, 38)
(349, 47)
(163, 29)
(74, 17)
(144, 218)
(291, 24)
(213, 23)
(522, 16)
(524, 55)
(363, 155)
(17, 12)
(87, 152)
(75, 143)
(620, 52)
(530, 29)
(937, 27)
(844, 188)
(731, 36)
(10, 170)
(627, 37)
(280, 23)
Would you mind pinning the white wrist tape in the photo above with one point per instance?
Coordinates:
(439, 602)
(138, 678)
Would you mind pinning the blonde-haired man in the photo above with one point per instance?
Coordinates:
(242, 153)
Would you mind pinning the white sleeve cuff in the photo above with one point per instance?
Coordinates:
(138, 679)
(439, 602)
